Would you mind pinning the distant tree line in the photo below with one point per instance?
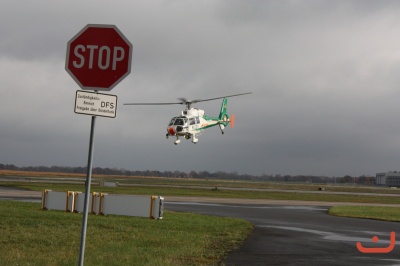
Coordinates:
(193, 174)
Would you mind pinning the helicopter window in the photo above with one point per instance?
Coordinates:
(192, 121)
(172, 121)
(197, 120)
(179, 122)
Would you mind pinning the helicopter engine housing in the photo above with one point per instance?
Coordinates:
(193, 112)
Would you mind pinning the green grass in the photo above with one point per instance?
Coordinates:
(30, 236)
(368, 212)
(129, 180)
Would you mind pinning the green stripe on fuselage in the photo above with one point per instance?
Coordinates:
(209, 119)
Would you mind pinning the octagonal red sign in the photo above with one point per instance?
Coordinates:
(98, 57)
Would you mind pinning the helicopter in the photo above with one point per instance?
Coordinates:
(192, 121)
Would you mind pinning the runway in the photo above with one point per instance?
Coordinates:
(7, 193)
(286, 232)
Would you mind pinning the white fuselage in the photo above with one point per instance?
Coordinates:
(189, 123)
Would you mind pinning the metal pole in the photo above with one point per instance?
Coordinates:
(87, 192)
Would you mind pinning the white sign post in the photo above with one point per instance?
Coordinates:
(98, 104)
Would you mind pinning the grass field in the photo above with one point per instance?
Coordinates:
(211, 192)
(34, 237)
(212, 183)
(30, 236)
(368, 212)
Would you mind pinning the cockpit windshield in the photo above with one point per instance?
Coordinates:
(178, 121)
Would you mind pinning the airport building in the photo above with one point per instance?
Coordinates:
(390, 179)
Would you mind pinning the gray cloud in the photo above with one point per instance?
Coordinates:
(324, 76)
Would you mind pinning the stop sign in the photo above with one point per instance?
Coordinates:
(98, 57)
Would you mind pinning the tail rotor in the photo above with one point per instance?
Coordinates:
(232, 121)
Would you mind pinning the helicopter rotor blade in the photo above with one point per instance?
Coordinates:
(185, 100)
(152, 103)
(189, 102)
(211, 99)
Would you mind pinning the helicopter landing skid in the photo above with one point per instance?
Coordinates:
(177, 141)
(194, 139)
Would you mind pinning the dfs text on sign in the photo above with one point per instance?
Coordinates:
(97, 104)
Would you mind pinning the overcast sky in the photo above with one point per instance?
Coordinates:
(325, 77)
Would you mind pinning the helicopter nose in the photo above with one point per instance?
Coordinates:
(171, 131)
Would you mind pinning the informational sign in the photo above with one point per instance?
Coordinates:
(96, 104)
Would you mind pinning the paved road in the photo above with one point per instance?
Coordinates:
(19, 194)
(301, 235)
(286, 232)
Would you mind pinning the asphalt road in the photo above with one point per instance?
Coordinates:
(301, 235)
(286, 232)
(9, 193)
